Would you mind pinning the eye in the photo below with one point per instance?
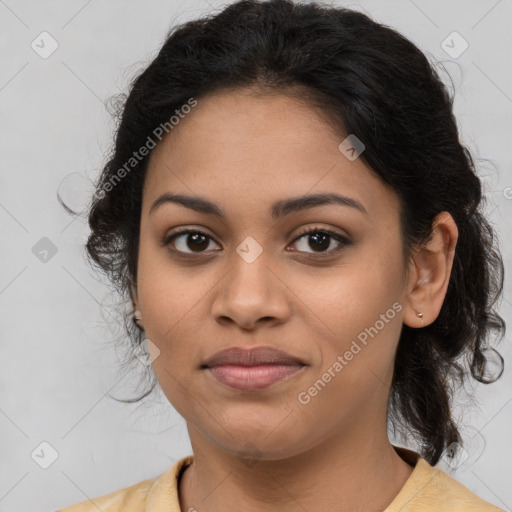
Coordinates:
(321, 239)
(189, 241)
(194, 240)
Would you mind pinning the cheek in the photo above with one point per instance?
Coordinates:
(166, 292)
(168, 303)
(356, 370)
(171, 319)
(351, 298)
(358, 315)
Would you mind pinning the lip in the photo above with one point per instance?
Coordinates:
(253, 378)
(251, 357)
(252, 369)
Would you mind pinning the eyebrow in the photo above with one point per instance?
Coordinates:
(278, 210)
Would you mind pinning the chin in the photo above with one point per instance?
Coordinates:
(262, 442)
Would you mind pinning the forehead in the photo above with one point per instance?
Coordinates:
(250, 150)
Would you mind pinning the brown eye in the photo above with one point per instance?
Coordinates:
(322, 241)
(319, 241)
(189, 241)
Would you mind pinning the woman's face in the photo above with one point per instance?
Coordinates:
(256, 280)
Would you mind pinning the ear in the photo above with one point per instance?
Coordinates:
(134, 297)
(429, 273)
(135, 301)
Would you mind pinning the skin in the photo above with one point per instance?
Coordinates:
(244, 152)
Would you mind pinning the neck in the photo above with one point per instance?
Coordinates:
(357, 472)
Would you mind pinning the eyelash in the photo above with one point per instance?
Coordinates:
(336, 236)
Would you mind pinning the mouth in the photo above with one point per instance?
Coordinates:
(251, 357)
(254, 369)
(253, 378)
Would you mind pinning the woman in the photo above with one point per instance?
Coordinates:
(292, 215)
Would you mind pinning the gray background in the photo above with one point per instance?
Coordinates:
(57, 363)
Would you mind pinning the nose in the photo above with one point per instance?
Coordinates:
(251, 294)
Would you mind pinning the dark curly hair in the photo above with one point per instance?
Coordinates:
(370, 81)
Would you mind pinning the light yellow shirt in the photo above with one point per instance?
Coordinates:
(427, 489)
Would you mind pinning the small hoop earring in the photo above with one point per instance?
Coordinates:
(422, 321)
